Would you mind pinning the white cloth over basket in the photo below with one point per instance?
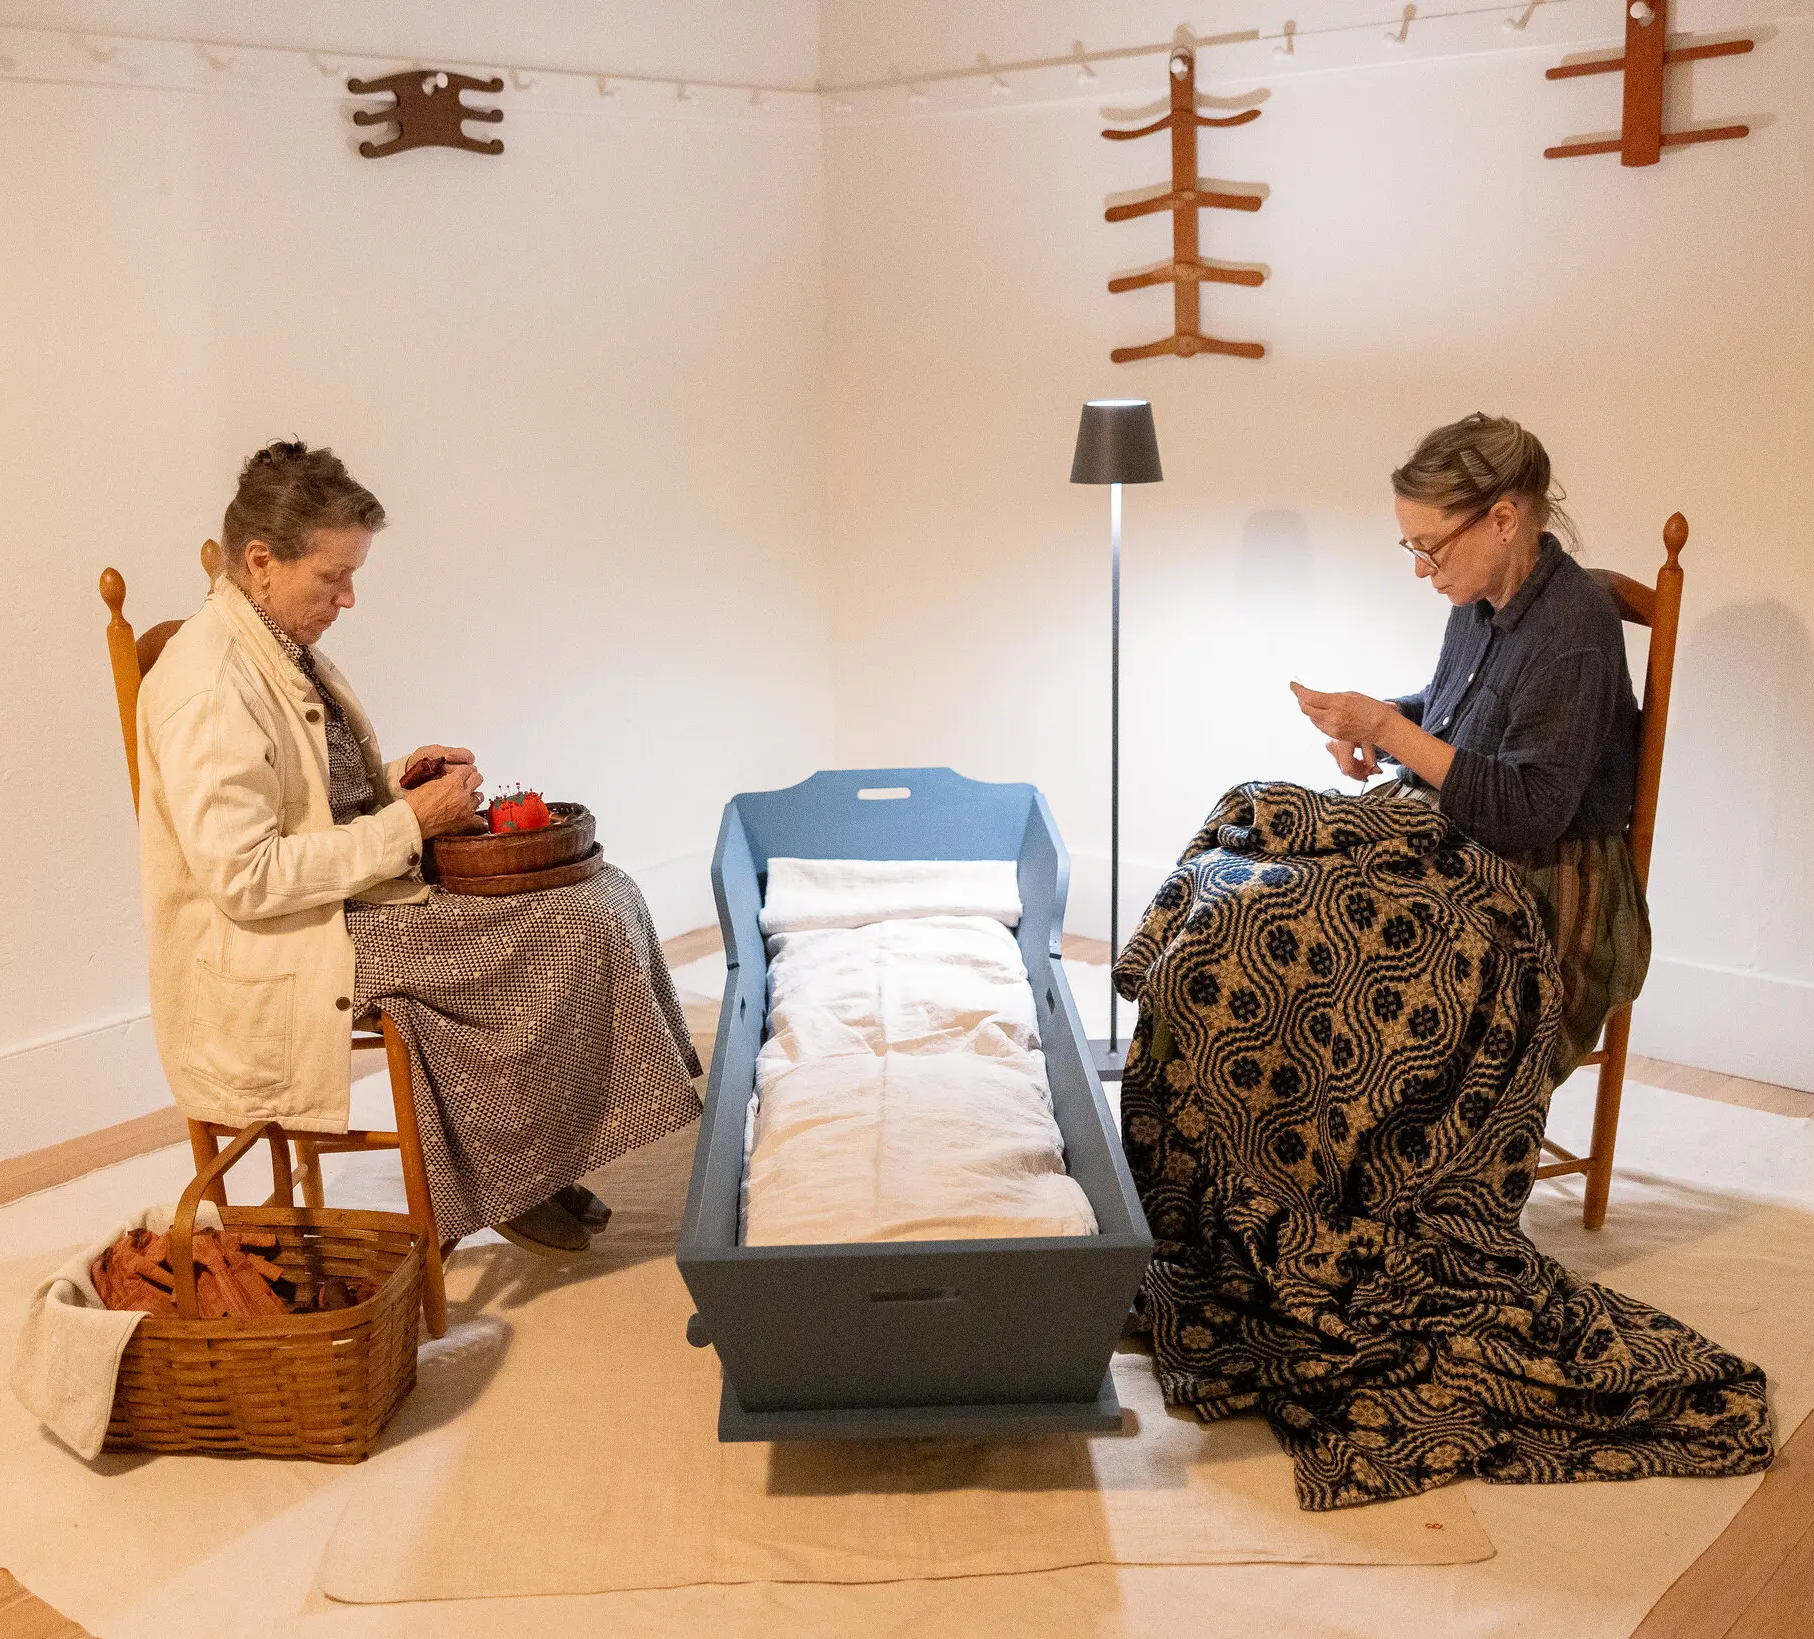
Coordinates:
(67, 1359)
(901, 1093)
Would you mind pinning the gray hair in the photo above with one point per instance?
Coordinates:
(286, 492)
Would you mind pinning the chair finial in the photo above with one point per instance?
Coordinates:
(211, 560)
(1675, 535)
(113, 591)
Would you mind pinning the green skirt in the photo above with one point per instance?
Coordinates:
(1598, 925)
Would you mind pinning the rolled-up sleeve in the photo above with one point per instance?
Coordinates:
(1410, 706)
(220, 785)
(1524, 794)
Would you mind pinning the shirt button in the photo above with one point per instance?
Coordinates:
(313, 715)
(344, 1003)
(1447, 720)
(1472, 676)
(415, 859)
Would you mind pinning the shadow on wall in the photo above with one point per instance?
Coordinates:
(1731, 883)
(1275, 556)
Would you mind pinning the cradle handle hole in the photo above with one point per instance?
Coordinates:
(918, 1294)
(884, 793)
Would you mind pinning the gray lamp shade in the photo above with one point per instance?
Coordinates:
(1116, 443)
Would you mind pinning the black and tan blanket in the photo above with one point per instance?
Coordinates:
(1332, 1108)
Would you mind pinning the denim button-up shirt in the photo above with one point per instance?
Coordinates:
(1536, 699)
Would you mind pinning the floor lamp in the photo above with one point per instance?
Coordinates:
(1116, 445)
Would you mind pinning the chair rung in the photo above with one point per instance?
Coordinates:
(1557, 1169)
(1557, 1150)
(1597, 1056)
(353, 1139)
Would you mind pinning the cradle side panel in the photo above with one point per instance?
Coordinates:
(928, 1323)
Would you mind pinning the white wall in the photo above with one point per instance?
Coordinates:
(584, 377)
(1425, 260)
(668, 389)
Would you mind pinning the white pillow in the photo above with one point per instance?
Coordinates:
(849, 893)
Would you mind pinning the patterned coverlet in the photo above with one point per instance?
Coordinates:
(1332, 1109)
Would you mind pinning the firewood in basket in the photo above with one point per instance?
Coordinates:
(421, 771)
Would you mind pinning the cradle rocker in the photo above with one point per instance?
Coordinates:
(907, 1338)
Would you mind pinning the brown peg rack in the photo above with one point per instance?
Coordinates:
(1186, 272)
(1641, 138)
(427, 111)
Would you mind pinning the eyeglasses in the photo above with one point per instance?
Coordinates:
(1427, 554)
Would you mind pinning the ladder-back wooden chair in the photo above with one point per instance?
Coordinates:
(1660, 609)
(132, 659)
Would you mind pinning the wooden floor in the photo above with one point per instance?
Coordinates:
(1755, 1582)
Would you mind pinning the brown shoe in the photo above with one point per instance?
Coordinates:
(548, 1229)
(584, 1205)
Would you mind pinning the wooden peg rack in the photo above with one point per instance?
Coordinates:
(427, 111)
(1186, 272)
(1642, 138)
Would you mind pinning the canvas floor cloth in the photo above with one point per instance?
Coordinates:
(544, 1035)
(1332, 1108)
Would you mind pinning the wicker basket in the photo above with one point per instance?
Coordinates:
(318, 1385)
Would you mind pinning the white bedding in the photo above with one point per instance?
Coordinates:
(902, 1094)
(936, 984)
(845, 893)
(910, 1147)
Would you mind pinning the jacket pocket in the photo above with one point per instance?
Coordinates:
(240, 1030)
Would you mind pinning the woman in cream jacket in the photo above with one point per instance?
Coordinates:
(283, 896)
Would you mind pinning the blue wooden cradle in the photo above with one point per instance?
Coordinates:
(967, 1337)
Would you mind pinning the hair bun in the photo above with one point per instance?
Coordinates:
(277, 452)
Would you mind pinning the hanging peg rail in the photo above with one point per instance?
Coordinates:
(427, 111)
(1641, 138)
(1186, 272)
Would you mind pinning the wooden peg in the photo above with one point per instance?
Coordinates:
(1187, 272)
(1642, 139)
(426, 110)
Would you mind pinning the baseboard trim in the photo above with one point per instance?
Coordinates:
(76, 1157)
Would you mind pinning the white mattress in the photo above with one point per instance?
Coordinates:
(902, 1094)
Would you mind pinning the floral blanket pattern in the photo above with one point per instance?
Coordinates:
(1332, 1108)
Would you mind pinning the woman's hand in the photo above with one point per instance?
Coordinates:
(448, 805)
(1353, 724)
(452, 754)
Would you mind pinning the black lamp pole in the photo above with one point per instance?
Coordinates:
(1116, 444)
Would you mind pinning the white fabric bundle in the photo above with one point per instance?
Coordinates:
(910, 1147)
(901, 1094)
(937, 984)
(846, 893)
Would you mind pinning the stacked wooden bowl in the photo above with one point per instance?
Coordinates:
(559, 854)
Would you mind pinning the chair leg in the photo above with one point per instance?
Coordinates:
(308, 1159)
(415, 1180)
(205, 1146)
(1606, 1118)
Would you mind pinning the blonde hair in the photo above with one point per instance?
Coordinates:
(1471, 463)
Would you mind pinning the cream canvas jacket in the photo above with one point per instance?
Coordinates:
(246, 876)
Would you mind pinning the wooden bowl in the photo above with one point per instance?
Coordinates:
(583, 869)
(513, 853)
